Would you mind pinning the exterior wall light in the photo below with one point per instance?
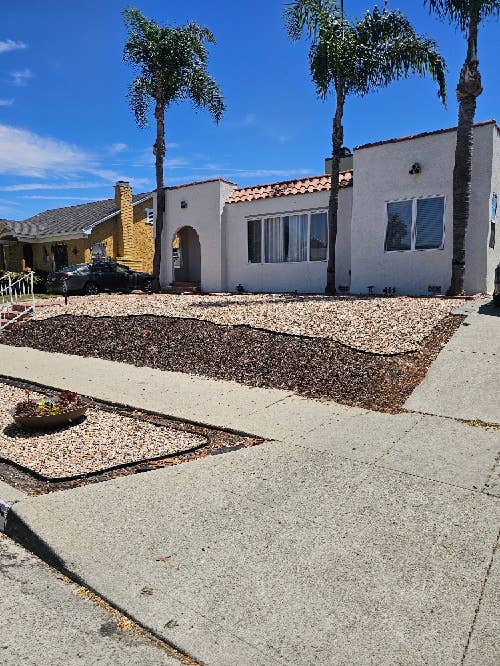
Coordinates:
(415, 169)
(184, 204)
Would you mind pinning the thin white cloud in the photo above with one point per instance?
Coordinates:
(24, 153)
(20, 77)
(116, 148)
(176, 162)
(7, 45)
(268, 173)
(248, 120)
(6, 102)
(57, 197)
(27, 187)
(243, 174)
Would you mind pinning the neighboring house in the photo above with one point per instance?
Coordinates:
(120, 229)
(394, 231)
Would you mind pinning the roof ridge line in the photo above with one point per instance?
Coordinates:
(291, 180)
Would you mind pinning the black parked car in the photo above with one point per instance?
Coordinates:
(96, 277)
(496, 293)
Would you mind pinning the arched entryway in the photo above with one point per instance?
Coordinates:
(186, 256)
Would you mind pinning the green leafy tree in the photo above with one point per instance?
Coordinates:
(468, 15)
(356, 57)
(171, 64)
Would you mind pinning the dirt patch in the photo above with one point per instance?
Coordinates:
(312, 367)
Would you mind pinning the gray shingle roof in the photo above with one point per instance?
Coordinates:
(14, 227)
(70, 219)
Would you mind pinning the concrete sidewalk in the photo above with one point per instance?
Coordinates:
(463, 382)
(281, 554)
(222, 404)
(352, 538)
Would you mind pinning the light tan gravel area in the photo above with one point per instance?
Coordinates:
(377, 325)
(101, 441)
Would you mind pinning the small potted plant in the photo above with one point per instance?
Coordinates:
(67, 407)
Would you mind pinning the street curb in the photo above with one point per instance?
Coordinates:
(4, 512)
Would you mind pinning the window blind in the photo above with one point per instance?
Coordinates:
(429, 223)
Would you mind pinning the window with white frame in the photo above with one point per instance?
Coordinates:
(150, 216)
(288, 238)
(415, 224)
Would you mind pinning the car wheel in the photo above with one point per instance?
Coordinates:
(496, 300)
(91, 289)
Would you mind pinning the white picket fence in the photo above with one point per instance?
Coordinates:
(17, 298)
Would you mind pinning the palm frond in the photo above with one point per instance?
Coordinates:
(461, 11)
(307, 15)
(171, 63)
(139, 95)
(389, 49)
(356, 57)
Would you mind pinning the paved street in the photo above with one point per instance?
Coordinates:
(46, 620)
(352, 537)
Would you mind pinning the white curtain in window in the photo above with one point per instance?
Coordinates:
(297, 238)
(273, 237)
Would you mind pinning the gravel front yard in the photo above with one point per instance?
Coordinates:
(377, 325)
(313, 367)
(101, 441)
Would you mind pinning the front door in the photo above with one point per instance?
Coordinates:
(28, 256)
(60, 256)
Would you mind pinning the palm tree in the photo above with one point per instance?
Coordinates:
(172, 66)
(467, 14)
(356, 57)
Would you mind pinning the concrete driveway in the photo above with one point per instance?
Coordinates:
(464, 381)
(352, 537)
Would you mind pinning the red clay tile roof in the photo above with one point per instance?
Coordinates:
(288, 187)
(421, 135)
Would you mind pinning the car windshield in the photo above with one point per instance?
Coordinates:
(77, 268)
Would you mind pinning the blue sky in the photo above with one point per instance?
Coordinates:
(67, 133)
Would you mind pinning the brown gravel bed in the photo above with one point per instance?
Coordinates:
(217, 442)
(99, 441)
(372, 324)
(315, 368)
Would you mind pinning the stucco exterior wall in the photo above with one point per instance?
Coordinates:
(304, 277)
(381, 174)
(203, 213)
(493, 254)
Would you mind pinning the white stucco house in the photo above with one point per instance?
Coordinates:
(395, 224)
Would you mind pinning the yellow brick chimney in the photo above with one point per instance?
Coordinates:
(126, 251)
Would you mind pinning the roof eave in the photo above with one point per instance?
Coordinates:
(39, 238)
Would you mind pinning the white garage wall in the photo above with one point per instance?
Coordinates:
(304, 277)
(381, 174)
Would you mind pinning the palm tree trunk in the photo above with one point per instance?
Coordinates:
(468, 90)
(333, 204)
(159, 153)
